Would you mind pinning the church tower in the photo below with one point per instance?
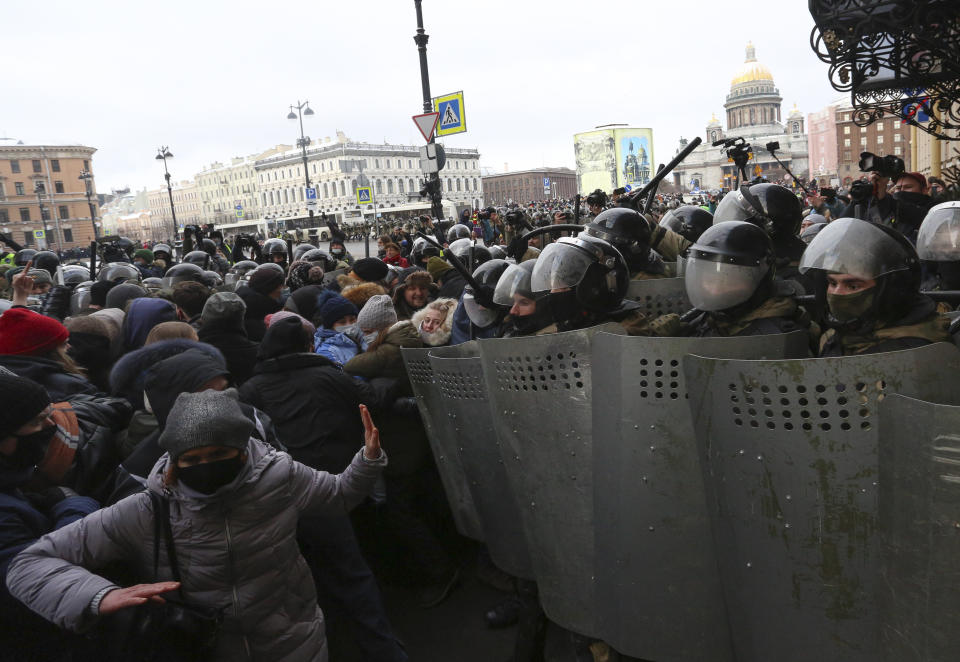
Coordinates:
(753, 99)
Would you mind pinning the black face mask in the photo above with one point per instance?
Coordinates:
(209, 477)
(913, 198)
(31, 448)
(563, 306)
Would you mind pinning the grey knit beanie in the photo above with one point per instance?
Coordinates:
(208, 418)
(223, 307)
(377, 313)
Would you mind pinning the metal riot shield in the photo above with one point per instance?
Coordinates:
(658, 592)
(659, 296)
(540, 396)
(442, 438)
(465, 403)
(789, 455)
(919, 530)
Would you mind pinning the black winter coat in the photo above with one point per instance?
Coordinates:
(258, 307)
(239, 351)
(451, 285)
(60, 384)
(314, 406)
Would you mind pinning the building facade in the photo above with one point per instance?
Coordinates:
(229, 193)
(186, 204)
(885, 136)
(338, 168)
(528, 185)
(41, 193)
(753, 112)
(122, 203)
(822, 138)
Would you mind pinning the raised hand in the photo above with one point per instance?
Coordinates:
(371, 435)
(22, 285)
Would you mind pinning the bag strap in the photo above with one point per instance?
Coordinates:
(162, 529)
(157, 534)
(168, 534)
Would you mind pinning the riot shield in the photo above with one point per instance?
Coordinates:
(659, 296)
(658, 590)
(789, 455)
(540, 395)
(442, 438)
(919, 530)
(465, 402)
(330, 277)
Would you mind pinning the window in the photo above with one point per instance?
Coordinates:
(18, 186)
(863, 142)
(36, 165)
(846, 142)
(58, 187)
(846, 130)
(846, 117)
(322, 167)
(389, 186)
(376, 163)
(25, 214)
(63, 211)
(863, 129)
(55, 164)
(4, 216)
(27, 238)
(458, 183)
(67, 235)
(879, 140)
(409, 163)
(400, 186)
(898, 151)
(897, 137)
(343, 188)
(15, 166)
(326, 193)
(879, 126)
(410, 185)
(301, 194)
(379, 187)
(86, 165)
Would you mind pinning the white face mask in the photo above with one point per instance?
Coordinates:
(344, 328)
(368, 338)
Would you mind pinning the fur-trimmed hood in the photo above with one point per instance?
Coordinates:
(358, 291)
(130, 372)
(441, 336)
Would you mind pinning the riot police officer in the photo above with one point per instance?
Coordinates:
(458, 231)
(275, 251)
(867, 286)
(629, 232)
(688, 221)
(526, 315)
(938, 246)
(478, 315)
(729, 279)
(238, 274)
(163, 257)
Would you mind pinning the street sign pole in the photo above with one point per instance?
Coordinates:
(421, 38)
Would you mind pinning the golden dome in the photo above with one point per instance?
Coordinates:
(751, 70)
(713, 120)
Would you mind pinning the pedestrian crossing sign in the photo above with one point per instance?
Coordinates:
(453, 117)
(239, 213)
(364, 196)
(39, 234)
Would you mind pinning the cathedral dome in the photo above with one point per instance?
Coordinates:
(751, 71)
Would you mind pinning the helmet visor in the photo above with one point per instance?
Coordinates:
(170, 281)
(560, 266)
(514, 280)
(939, 236)
(733, 207)
(854, 247)
(482, 317)
(713, 285)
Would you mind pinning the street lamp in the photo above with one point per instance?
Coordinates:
(162, 155)
(433, 180)
(40, 189)
(87, 178)
(302, 142)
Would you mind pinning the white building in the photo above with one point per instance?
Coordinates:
(222, 188)
(753, 113)
(337, 168)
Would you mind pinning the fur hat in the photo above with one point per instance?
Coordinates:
(357, 291)
(419, 279)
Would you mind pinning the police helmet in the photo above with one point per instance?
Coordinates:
(319, 257)
(515, 279)
(239, 272)
(487, 276)
(208, 246)
(212, 279)
(939, 237)
(74, 274)
(23, 256)
(126, 246)
(590, 266)
(198, 258)
(811, 231)
(80, 298)
(183, 272)
(624, 228)
(688, 221)
(466, 251)
(162, 251)
(125, 271)
(300, 249)
(153, 284)
(772, 207)
(46, 260)
(497, 252)
(727, 265)
(458, 231)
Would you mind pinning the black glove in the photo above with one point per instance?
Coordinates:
(517, 248)
(44, 501)
(406, 406)
(485, 296)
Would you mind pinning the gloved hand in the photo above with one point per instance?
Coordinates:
(485, 296)
(517, 248)
(57, 303)
(44, 501)
(406, 406)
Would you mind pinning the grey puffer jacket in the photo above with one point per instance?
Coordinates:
(236, 549)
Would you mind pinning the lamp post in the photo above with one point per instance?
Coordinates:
(87, 178)
(39, 189)
(302, 142)
(162, 155)
(421, 38)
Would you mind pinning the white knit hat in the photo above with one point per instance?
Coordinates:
(377, 314)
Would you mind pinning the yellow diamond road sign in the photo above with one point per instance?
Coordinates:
(453, 117)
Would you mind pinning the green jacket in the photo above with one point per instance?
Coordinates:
(384, 360)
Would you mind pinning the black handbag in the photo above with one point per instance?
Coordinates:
(171, 631)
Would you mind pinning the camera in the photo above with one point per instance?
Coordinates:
(861, 190)
(773, 146)
(886, 166)
(483, 214)
(828, 193)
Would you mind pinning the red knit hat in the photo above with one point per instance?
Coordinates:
(23, 331)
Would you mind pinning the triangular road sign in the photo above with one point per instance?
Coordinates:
(427, 123)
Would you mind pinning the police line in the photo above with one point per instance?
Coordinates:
(710, 498)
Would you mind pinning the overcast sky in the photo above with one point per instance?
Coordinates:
(213, 79)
